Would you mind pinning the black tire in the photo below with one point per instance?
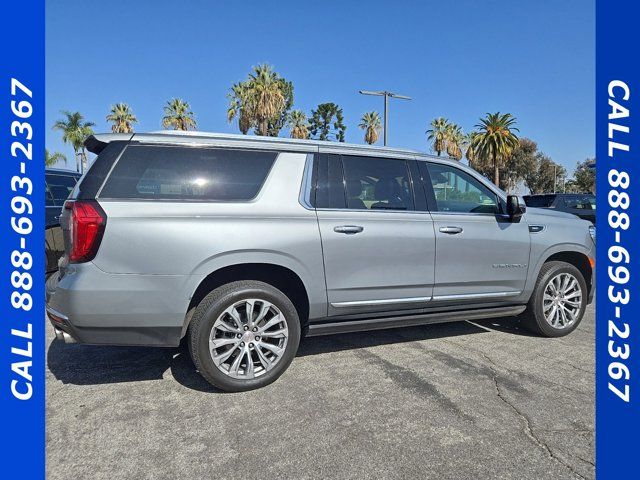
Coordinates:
(208, 311)
(533, 318)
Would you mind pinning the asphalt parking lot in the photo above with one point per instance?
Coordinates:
(460, 400)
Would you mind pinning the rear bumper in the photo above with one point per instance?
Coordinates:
(87, 305)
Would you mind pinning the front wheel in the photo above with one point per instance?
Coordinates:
(558, 301)
(244, 335)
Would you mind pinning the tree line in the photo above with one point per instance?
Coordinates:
(494, 149)
(263, 104)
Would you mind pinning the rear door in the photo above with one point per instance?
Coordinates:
(480, 254)
(377, 237)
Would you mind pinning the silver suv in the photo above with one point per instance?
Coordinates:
(242, 245)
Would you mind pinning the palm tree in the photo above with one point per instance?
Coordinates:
(495, 140)
(239, 106)
(50, 159)
(178, 115)
(438, 133)
(455, 138)
(75, 131)
(266, 97)
(469, 151)
(122, 118)
(297, 121)
(371, 125)
(262, 101)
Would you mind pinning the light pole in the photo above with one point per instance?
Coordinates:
(386, 96)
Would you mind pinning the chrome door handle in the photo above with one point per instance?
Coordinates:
(348, 229)
(451, 230)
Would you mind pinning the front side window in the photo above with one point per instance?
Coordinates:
(188, 173)
(457, 191)
(377, 183)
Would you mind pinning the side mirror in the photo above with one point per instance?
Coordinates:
(514, 208)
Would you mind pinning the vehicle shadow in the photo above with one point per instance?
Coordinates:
(93, 365)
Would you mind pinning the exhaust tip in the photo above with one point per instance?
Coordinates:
(64, 336)
(59, 334)
(68, 338)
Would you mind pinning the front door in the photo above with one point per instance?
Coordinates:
(379, 248)
(480, 254)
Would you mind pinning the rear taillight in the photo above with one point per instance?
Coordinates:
(86, 226)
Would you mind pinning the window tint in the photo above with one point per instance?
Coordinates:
(586, 202)
(539, 201)
(457, 191)
(94, 178)
(330, 186)
(58, 188)
(185, 173)
(377, 183)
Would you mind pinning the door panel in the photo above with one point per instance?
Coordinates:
(379, 251)
(389, 265)
(489, 256)
(480, 254)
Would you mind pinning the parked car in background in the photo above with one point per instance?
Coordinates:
(581, 204)
(59, 184)
(243, 244)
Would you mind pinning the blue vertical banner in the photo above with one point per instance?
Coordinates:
(618, 224)
(22, 385)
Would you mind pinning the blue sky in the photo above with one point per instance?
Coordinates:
(458, 59)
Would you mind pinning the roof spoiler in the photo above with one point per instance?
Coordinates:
(96, 143)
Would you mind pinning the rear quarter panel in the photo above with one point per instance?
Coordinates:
(194, 239)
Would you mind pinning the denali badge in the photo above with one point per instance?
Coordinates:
(509, 265)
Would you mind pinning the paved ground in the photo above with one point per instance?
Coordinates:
(482, 400)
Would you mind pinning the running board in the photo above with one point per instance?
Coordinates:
(346, 326)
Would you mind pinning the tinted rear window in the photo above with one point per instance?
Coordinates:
(188, 173)
(93, 180)
(539, 201)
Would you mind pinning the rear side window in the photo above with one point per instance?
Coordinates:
(58, 188)
(377, 183)
(188, 173)
(539, 201)
(363, 183)
(330, 186)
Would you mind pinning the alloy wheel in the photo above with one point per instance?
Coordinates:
(562, 301)
(248, 338)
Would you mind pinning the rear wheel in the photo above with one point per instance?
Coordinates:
(558, 301)
(244, 335)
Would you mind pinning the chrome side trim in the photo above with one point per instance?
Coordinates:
(390, 301)
(465, 296)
